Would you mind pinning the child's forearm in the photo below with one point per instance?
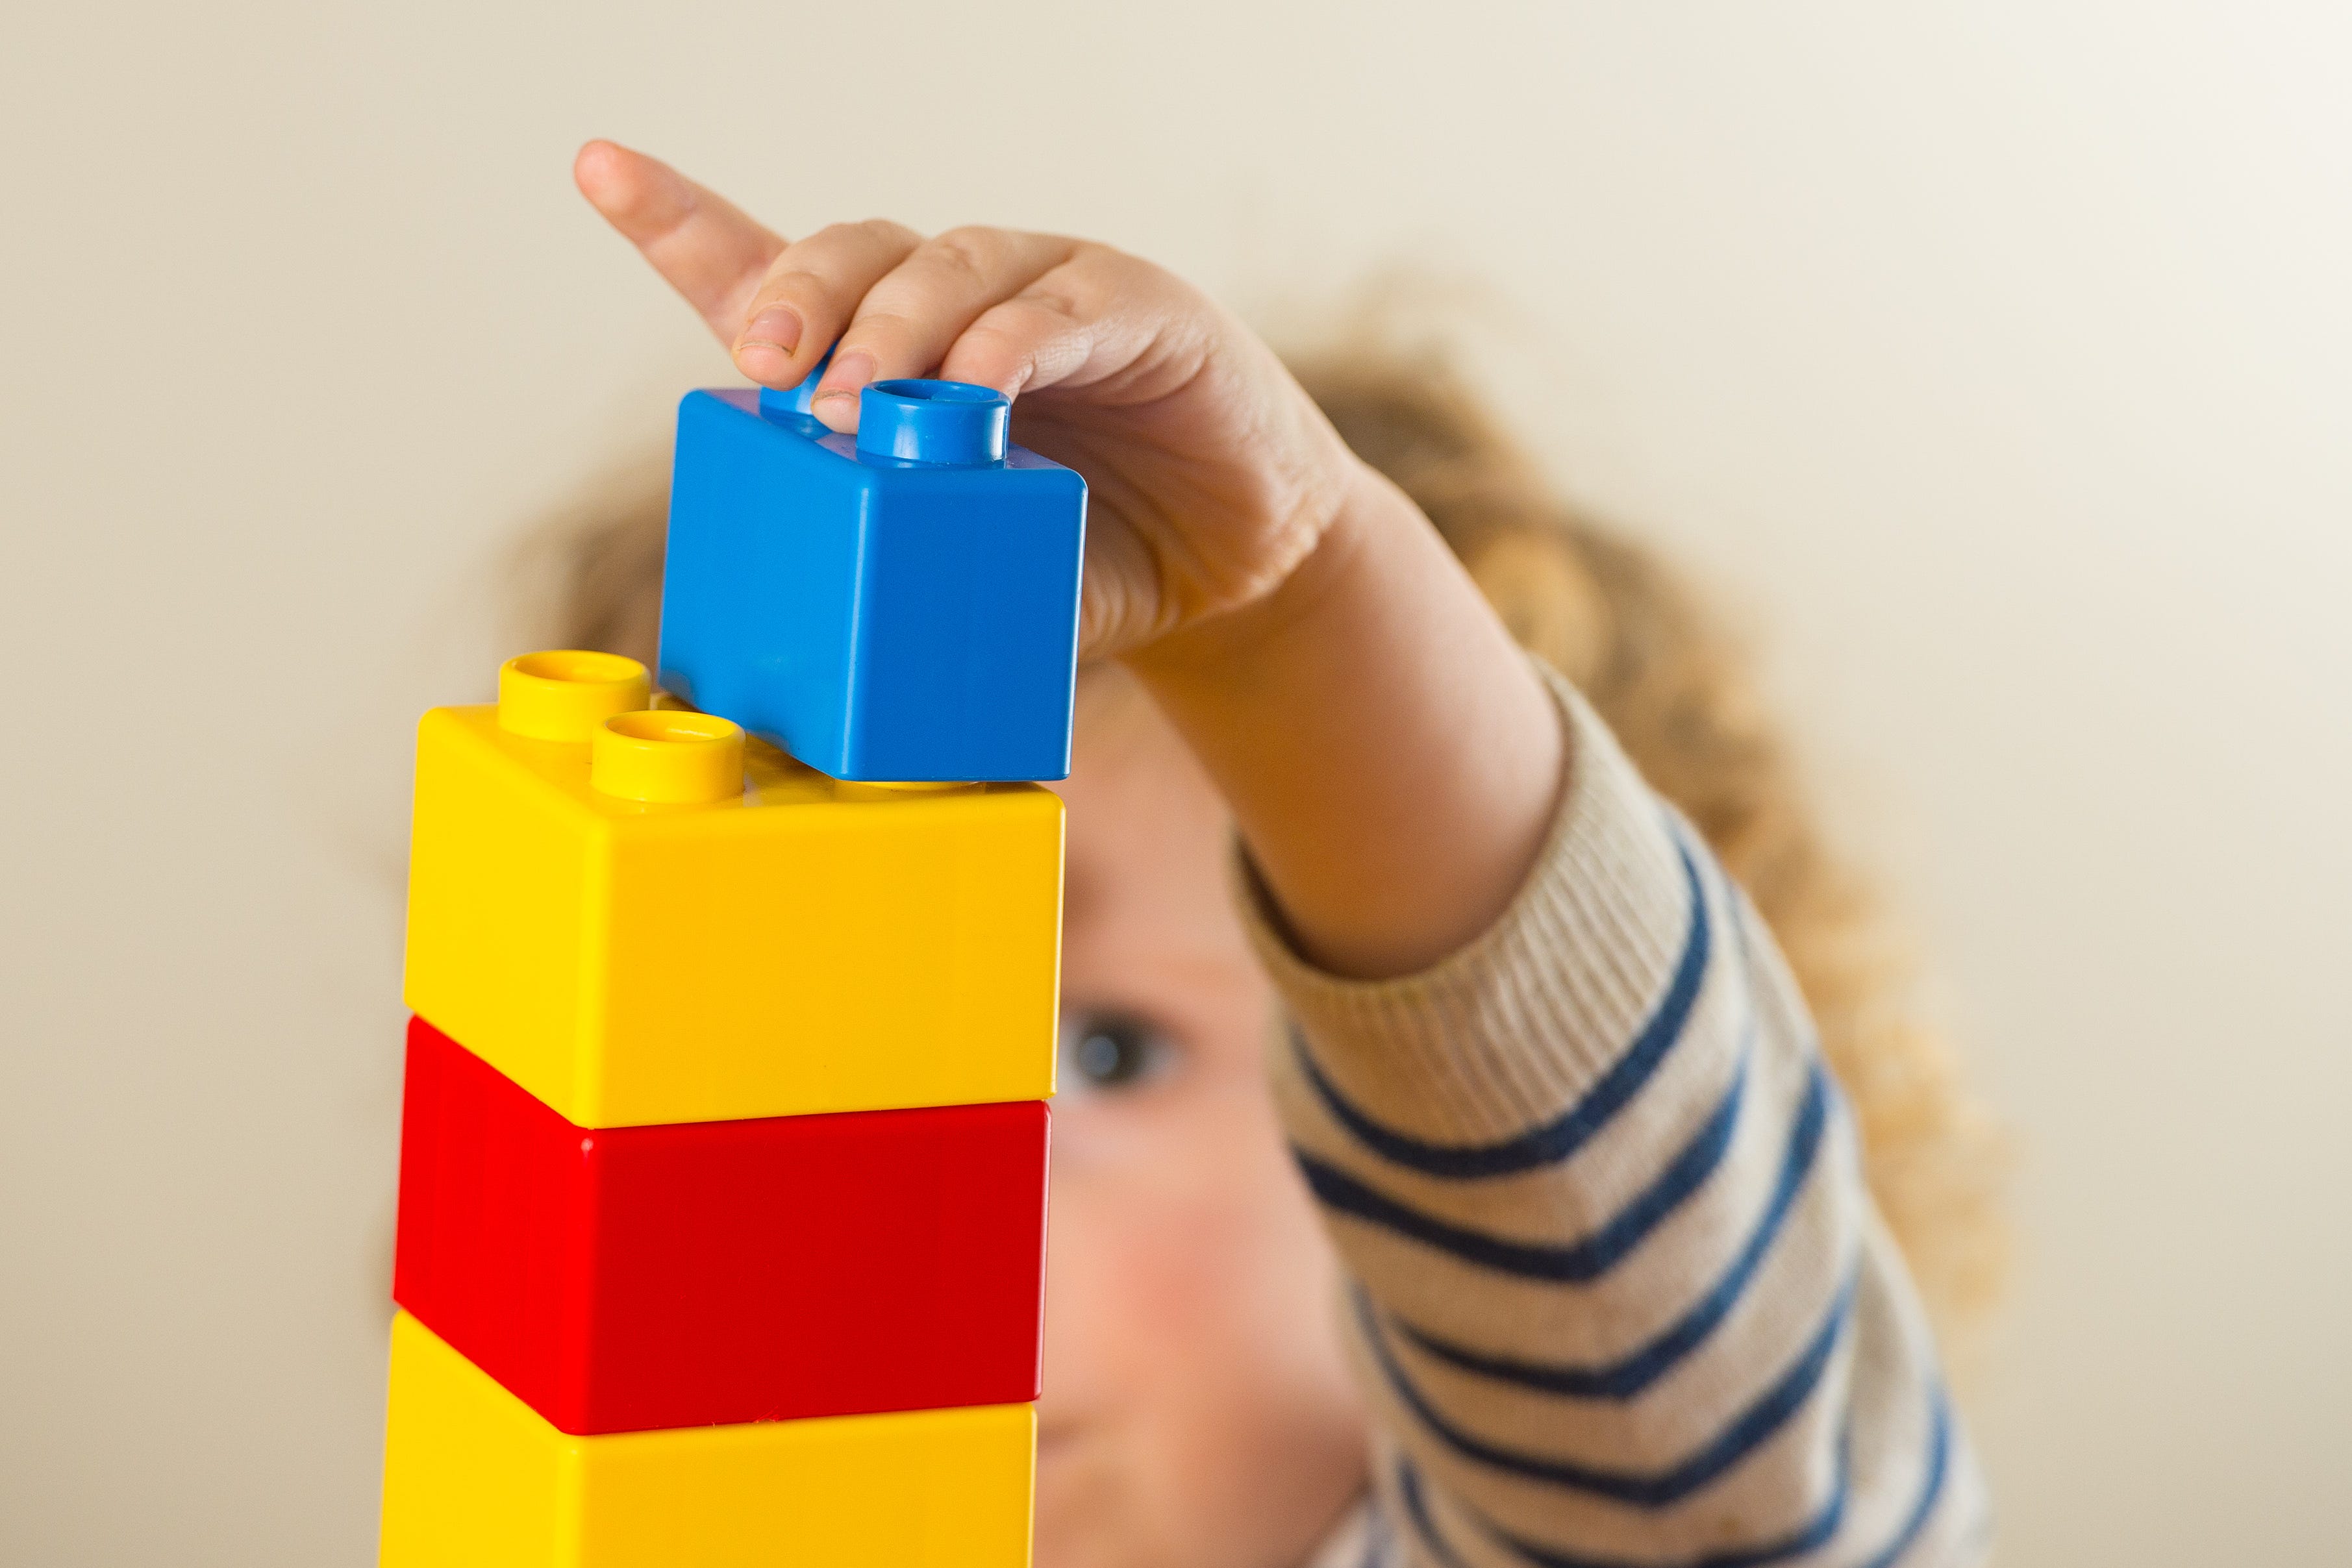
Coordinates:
(1391, 758)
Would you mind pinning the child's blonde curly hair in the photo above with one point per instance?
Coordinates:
(1679, 694)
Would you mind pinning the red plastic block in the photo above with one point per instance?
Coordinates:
(628, 1278)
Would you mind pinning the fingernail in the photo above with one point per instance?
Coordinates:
(848, 376)
(778, 327)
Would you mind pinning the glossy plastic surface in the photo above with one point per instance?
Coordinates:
(719, 1271)
(473, 1478)
(800, 947)
(933, 422)
(880, 618)
(567, 694)
(676, 758)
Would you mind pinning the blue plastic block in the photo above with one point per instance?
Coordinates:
(901, 606)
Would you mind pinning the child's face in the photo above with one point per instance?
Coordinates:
(1197, 1410)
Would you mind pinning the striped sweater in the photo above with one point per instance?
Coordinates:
(1615, 1286)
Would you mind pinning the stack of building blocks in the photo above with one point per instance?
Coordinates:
(722, 1194)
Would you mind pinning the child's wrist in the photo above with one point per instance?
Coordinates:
(1391, 758)
(1234, 645)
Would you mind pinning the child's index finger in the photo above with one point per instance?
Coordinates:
(709, 250)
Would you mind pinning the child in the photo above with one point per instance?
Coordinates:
(1609, 1285)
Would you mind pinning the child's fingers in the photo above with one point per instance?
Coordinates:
(708, 249)
(808, 295)
(1095, 316)
(907, 320)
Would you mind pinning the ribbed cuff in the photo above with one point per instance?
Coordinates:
(1513, 1028)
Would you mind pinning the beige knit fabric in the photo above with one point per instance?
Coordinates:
(1616, 1288)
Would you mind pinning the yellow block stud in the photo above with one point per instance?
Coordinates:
(784, 946)
(681, 758)
(474, 1479)
(566, 694)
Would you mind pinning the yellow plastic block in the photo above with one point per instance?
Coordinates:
(797, 945)
(473, 1478)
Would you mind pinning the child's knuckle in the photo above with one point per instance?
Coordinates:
(889, 233)
(972, 251)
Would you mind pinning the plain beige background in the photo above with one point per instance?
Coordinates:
(1995, 356)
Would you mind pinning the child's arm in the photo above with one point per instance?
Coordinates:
(1622, 1296)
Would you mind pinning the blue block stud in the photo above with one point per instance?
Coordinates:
(901, 606)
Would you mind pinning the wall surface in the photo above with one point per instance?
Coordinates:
(1994, 355)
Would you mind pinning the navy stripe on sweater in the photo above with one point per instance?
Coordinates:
(1416, 1509)
(1807, 1537)
(1555, 1140)
(1627, 1378)
(1931, 1490)
(1810, 1536)
(1748, 1431)
(1581, 1260)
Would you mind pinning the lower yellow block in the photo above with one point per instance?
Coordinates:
(473, 1478)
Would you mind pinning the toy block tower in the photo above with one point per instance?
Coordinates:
(722, 1192)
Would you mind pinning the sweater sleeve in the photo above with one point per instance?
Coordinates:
(1615, 1286)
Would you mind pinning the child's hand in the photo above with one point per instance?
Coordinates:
(1211, 473)
(1389, 756)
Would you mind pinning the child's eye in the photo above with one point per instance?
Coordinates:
(1108, 1051)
